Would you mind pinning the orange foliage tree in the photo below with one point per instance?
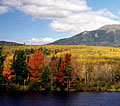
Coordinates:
(8, 72)
(36, 66)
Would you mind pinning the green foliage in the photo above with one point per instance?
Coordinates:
(108, 85)
(20, 67)
(34, 86)
(2, 58)
(46, 76)
(2, 83)
(65, 67)
(79, 86)
(117, 86)
(45, 50)
(2, 80)
(117, 75)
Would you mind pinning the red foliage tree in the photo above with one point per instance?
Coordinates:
(36, 66)
(64, 74)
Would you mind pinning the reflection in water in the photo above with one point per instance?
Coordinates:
(60, 99)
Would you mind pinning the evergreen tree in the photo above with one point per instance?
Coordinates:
(20, 67)
(2, 58)
(45, 77)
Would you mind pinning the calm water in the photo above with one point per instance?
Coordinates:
(60, 99)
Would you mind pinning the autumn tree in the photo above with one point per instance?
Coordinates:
(36, 66)
(8, 72)
(64, 75)
(20, 67)
(69, 69)
(53, 69)
(61, 75)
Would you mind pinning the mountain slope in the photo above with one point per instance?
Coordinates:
(9, 43)
(108, 35)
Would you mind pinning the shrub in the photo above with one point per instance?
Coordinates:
(34, 86)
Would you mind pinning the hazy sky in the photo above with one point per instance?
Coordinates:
(43, 21)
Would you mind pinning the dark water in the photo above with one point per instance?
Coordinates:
(60, 99)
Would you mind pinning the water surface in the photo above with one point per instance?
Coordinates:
(60, 99)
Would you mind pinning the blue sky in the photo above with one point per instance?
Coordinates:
(40, 22)
(111, 5)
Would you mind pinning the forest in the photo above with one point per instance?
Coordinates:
(59, 68)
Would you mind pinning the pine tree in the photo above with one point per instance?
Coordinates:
(20, 67)
(2, 58)
(45, 77)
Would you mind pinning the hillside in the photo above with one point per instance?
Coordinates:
(88, 68)
(108, 35)
(9, 43)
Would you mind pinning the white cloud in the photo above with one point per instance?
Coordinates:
(15, 40)
(106, 13)
(84, 21)
(40, 40)
(72, 16)
(12, 3)
(47, 9)
(3, 9)
(33, 41)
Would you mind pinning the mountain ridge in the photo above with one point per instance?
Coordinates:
(9, 43)
(108, 35)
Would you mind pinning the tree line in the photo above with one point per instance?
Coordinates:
(38, 70)
(21, 70)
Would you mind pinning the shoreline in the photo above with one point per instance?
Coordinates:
(71, 90)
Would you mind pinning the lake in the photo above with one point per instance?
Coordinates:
(60, 99)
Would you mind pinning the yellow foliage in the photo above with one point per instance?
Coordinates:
(8, 72)
(80, 52)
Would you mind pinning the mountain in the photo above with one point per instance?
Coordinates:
(9, 43)
(108, 35)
